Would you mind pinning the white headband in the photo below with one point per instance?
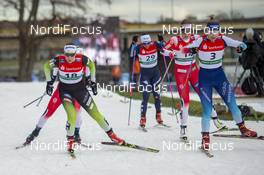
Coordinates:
(145, 39)
(71, 49)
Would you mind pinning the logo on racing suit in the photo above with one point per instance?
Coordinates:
(181, 86)
(204, 46)
(54, 100)
(62, 67)
(180, 46)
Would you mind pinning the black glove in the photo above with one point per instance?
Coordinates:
(194, 50)
(239, 49)
(94, 87)
(91, 84)
(49, 88)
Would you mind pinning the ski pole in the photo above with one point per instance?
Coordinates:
(170, 86)
(165, 74)
(235, 76)
(41, 98)
(34, 100)
(131, 91)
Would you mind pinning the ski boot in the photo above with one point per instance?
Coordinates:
(114, 138)
(158, 118)
(205, 141)
(245, 131)
(77, 138)
(142, 122)
(183, 133)
(32, 136)
(70, 144)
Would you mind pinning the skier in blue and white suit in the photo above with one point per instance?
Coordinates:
(210, 52)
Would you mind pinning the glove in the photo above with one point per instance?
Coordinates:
(91, 84)
(194, 50)
(241, 47)
(94, 87)
(171, 55)
(49, 88)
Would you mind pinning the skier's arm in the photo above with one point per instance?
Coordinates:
(195, 44)
(47, 70)
(231, 42)
(91, 71)
(172, 41)
(164, 51)
(54, 66)
(54, 72)
(234, 43)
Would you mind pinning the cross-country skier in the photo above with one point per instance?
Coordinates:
(186, 71)
(147, 53)
(53, 105)
(211, 48)
(73, 76)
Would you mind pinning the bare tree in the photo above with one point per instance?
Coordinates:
(28, 14)
(191, 17)
(222, 16)
(237, 15)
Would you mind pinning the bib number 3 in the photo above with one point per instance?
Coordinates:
(213, 56)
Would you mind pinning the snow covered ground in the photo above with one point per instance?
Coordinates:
(245, 156)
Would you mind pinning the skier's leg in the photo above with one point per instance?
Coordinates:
(181, 75)
(85, 100)
(206, 100)
(53, 105)
(194, 82)
(156, 94)
(206, 83)
(71, 116)
(77, 137)
(225, 90)
(145, 88)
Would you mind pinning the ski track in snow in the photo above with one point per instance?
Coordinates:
(16, 123)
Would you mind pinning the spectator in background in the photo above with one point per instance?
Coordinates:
(136, 68)
(116, 74)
